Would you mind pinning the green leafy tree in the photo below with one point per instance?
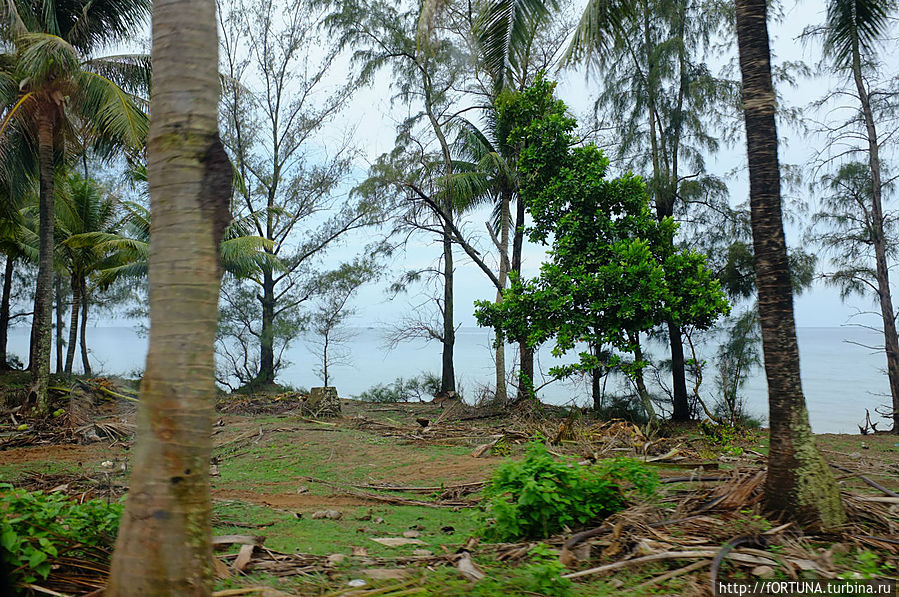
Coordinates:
(660, 98)
(65, 92)
(613, 269)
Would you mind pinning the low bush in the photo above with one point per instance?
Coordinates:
(35, 527)
(425, 385)
(541, 495)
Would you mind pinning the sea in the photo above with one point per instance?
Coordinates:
(842, 375)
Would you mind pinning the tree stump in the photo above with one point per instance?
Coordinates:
(323, 402)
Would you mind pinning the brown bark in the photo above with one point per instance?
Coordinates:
(9, 269)
(799, 483)
(85, 361)
(884, 294)
(57, 285)
(448, 372)
(164, 542)
(43, 294)
(502, 395)
(73, 324)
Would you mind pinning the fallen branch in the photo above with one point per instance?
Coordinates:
(674, 573)
(873, 484)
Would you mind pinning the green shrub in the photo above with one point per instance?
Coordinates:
(403, 390)
(35, 526)
(540, 495)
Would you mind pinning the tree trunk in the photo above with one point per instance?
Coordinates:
(85, 362)
(164, 541)
(799, 483)
(448, 373)
(884, 294)
(9, 269)
(642, 392)
(266, 375)
(73, 324)
(678, 374)
(43, 295)
(502, 395)
(57, 284)
(525, 353)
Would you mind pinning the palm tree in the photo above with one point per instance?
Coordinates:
(164, 543)
(799, 482)
(89, 209)
(851, 34)
(63, 91)
(483, 173)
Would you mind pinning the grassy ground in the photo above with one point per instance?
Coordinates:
(275, 469)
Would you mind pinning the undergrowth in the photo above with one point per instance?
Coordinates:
(541, 495)
(35, 527)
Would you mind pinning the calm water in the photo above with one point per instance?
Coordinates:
(840, 379)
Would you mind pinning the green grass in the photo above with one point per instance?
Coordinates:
(324, 537)
(11, 473)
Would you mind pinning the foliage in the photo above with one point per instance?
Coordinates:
(541, 495)
(403, 390)
(737, 356)
(614, 270)
(34, 526)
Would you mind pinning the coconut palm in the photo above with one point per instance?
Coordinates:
(799, 482)
(65, 91)
(851, 35)
(164, 542)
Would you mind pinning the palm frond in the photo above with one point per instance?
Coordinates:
(855, 22)
(112, 113)
(131, 72)
(46, 58)
(598, 33)
(504, 30)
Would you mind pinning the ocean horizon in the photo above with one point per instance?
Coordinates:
(841, 378)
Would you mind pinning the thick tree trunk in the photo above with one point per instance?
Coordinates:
(9, 269)
(57, 284)
(448, 373)
(85, 361)
(43, 295)
(799, 483)
(266, 375)
(73, 324)
(884, 293)
(164, 542)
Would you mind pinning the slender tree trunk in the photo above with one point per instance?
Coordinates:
(525, 353)
(645, 397)
(85, 362)
(884, 293)
(678, 374)
(448, 373)
(325, 359)
(164, 543)
(266, 374)
(799, 483)
(43, 296)
(73, 325)
(502, 395)
(9, 269)
(57, 284)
